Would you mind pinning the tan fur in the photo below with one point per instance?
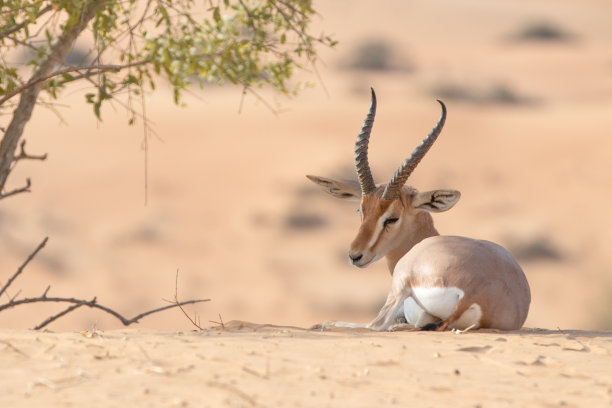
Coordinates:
(418, 256)
(487, 273)
(449, 272)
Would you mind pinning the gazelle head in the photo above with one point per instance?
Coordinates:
(394, 217)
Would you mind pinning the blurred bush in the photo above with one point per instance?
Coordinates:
(496, 94)
(535, 248)
(542, 31)
(375, 55)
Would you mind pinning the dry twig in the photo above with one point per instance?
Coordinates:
(20, 269)
(220, 322)
(23, 155)
(180, 304)
(76, 303)
(24, 189)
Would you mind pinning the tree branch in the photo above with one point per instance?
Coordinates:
(23, 155)
(59, 72)
(76, 303)
(24, 189)
(19, 26)
(53, 318)
(29, 95)
(20, 269)
(94, 305)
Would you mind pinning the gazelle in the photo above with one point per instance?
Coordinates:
(438, 282)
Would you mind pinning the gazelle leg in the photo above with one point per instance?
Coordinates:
(388, 313)
(349, 325)
(332, 324)
(395, 301)
(431, 326)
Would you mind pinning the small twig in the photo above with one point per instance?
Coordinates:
(19, 26)
(234, 390)
(261, 99)
(220, 322)
(53, 318)
(59, 72)
(24, 156)
(29, 258)
(15, 349)
(145, 142)
(255, 373)
(24, 189)
(15, 295)
(76, 303)
(467, 329)
(180, 305)
(94, 305)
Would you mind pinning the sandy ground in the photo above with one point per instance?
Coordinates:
(527, 142)
(267, 366)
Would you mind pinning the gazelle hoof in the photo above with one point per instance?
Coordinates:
(402, 327)
(431, 326)
(327, 325)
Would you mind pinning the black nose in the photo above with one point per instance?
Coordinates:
(355, 257)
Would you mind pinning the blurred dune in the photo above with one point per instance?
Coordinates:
(527, 142)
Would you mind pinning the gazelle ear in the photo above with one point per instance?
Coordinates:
(436, 200)
(347, 190)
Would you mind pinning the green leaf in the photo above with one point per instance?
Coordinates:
(217, 15)
(263, 45)
(96, 108)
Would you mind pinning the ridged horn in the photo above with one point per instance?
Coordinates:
(392, 191)
(366, 181)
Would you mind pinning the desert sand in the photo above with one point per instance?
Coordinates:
(271, 366)
(527, 142)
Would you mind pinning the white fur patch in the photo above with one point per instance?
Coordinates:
(471, 317)
(437, 301)
(379, 228)
(415, 315)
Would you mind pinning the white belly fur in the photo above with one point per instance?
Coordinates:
(415, 315)
(439, 302)
(427, 305)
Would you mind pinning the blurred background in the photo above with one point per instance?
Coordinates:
(528, 142)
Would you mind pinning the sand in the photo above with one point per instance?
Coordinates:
(249, 365)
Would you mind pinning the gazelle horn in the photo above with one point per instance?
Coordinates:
(392, 191)
(366, 181)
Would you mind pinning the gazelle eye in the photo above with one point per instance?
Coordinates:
(391, 220)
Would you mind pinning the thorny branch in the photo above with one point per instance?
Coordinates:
(76, 303)
(23, 265)
(24, 189)
(23, 155)
(53, 318)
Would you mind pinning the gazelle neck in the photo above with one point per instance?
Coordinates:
(421, 227)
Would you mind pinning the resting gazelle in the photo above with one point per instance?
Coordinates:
(438, 282)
